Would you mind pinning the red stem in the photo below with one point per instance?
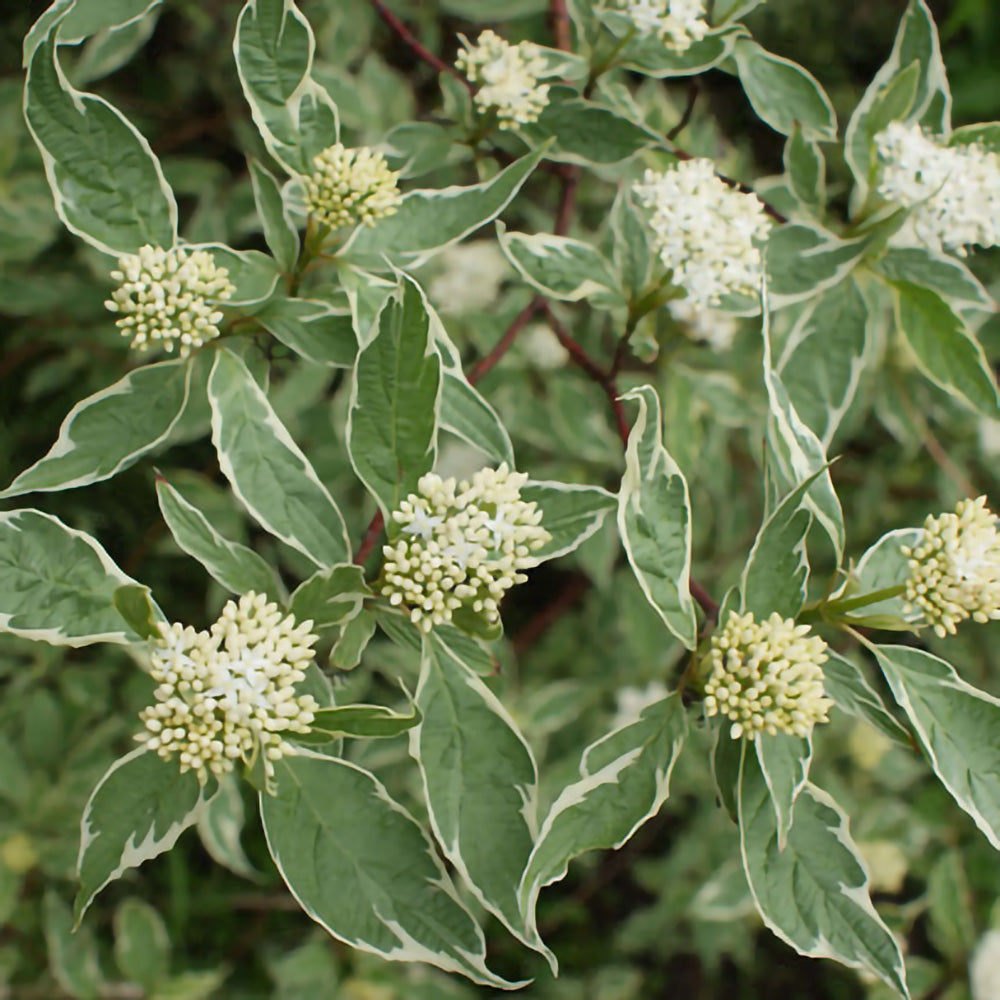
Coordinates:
(372, 533)
(504, 344)
(559, 21)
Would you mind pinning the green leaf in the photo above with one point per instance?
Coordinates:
(784, 761)
(562, 268)
(112, 47)
(254, 274)
(137, 811)
(825, 354)
(480, 782)
(958, 727)
(632, 254)
(110, 430)
(804, 260)
(917, 45)
(727, 759)
(392, 426)
(430, 220)
(806, 170)
(84, 18)
(624, 780)
(647, 54)
(295, 116)
(654, 520)
(814, 893)
(361, 867)
(134, 603)
(571, 513)
(798, 454)
(364, 721)
(945, 349)
(784, 95)
(236, 567)
(416, 148)
(73, 957)
(951, 927)
(108, 186)
(985, 134)
(266, 469)
(330, 596)
(469, 416)
(142, 944)
(845, 682)
(280, 231)
(220, 824)
(355, 634)
(883, 565)
(57, 585)
(948, 276)
(312, 329)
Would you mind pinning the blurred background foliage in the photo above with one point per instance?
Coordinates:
(668, 915)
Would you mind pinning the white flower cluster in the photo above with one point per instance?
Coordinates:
(350, 186)
(953, 191)
(708, 326)
(507, 76)
(470, 277)
(705, 232)
(955, 567)
(229, 692)
(678, 23)
(461, 546)
(766, 676)
(169, 297)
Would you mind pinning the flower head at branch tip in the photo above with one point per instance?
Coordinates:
(507, 77)
(766, 676)
(705, 232)
(955, 567)
(168, 298)
(349, 186)
(228, 693)
(461, 546)
(953, 192)
(677, 23)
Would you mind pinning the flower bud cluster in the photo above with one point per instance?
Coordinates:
(507, 76)
(350, 186)
(229, 693)
(169, 297)
(955, 567)
(705, 232)
(766, 676)
(677, 23)
(953, 191)
(461, 546)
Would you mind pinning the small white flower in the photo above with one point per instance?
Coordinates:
(350, 186)
(542, 348)
(678, 23)
(955, 567)
(705, 232)
(229, 693)
(169, 298)
(984, 968)
(471, 540)
(766, 676)
(507, 76)
(470, 277)
(953, 192)
(709, 326)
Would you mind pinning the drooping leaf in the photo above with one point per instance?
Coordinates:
(108, 186)
(814, 893)
(468, 415)
(330, 596)
(654, 520)
(362, 868)
(266, 469)
(958, 726)
(57, 584)
(137, 811)
(480, 782)
(280, 231)
(311, 329)
(647, 54)
(108, 431)
(392, 427)
(142, 944)
(238, 568)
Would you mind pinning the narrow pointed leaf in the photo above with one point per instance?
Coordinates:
(267, 470)
(469, 416)
(364, 721)
(355, 634)
(784, 761)
(280, 232)
(330, 596)
(846, 684)
(654, 519)
(363, 869)
(312, 330)
(137, 811)
(134, 603)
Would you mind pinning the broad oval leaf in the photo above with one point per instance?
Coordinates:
(330, 596)
(266, 469)
(947, 276)
(845, 682)
(280, 231)
(107, 184)
(571, 513)
(958, 726)
(361, 867)
(108, 431)
(57, 584)
(142, 944)
(804, 260)
(647, 54)
(814, 893)
(137, 811)
(480, 782)
(654, 520)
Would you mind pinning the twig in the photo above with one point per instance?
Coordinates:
(559, 22)
(372, 533)
(577, 586)
(693, 90)
(419, 49)
(567, 201)
(504, 344)
(702, 596)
